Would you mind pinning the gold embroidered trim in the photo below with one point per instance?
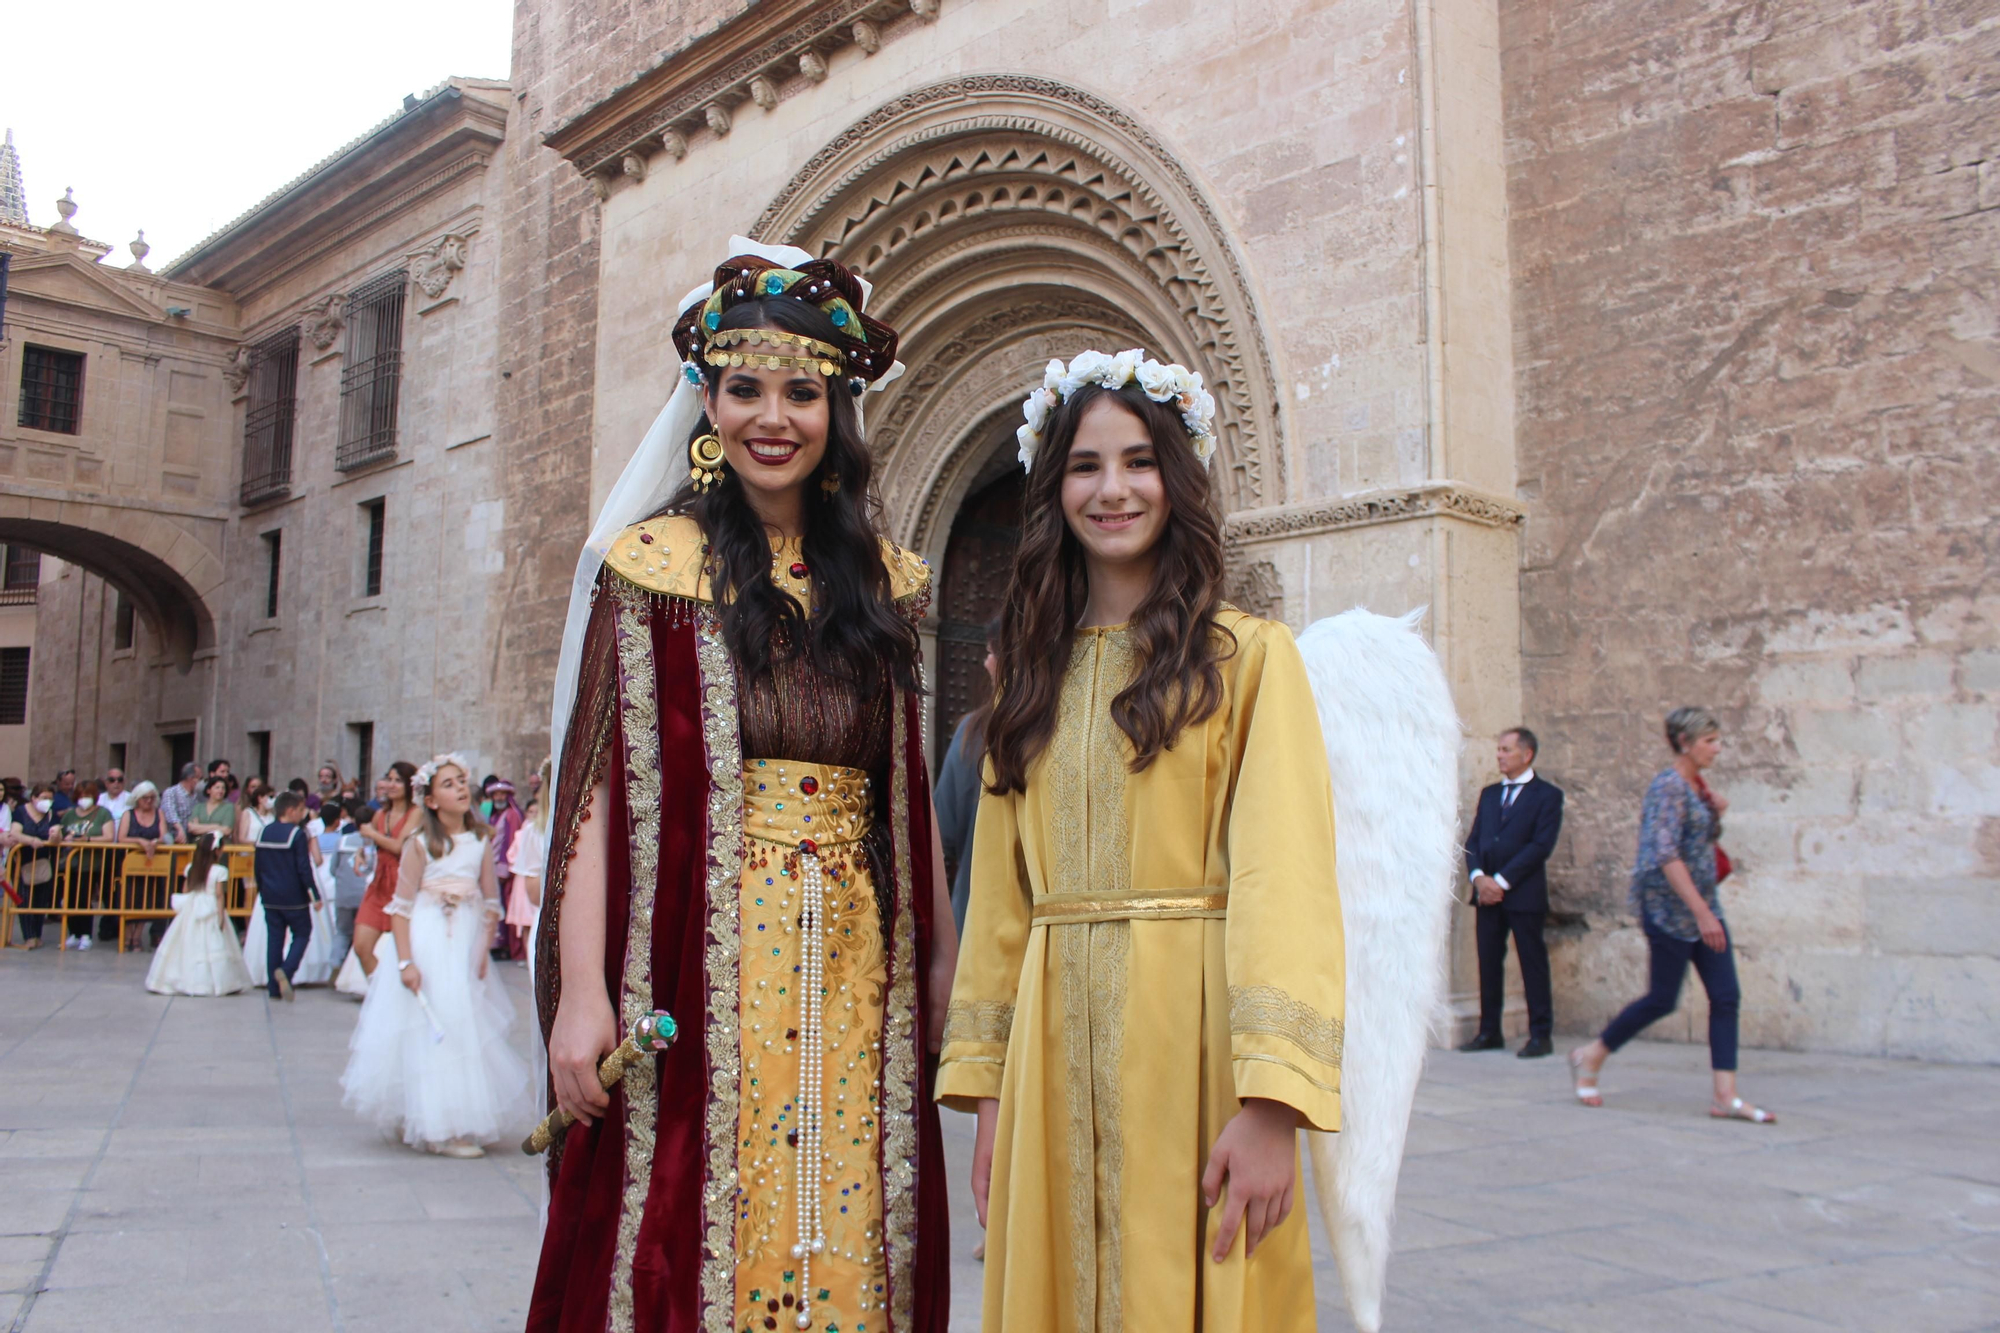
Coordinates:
(900, 1039)
(1091, 843)
(1110, 951)
(987, 1021)
(1075, 908)
(1274, 1012)
(642, 760)
(1075, 945)
(1283, 1063)
(724, 745)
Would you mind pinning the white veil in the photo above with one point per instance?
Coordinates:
(644, 487)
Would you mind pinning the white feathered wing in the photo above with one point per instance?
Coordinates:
(1392, 742)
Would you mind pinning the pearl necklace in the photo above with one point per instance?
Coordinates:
(811, 1177)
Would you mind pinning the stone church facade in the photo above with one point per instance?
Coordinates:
(1652, 349)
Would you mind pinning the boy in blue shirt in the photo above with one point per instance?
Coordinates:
(286, 888)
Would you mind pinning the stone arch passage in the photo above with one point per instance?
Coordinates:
(170, 591)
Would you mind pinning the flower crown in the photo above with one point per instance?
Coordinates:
(425, 775)
(1168, 383)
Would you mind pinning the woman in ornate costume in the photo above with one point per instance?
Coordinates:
(1150, 1001)
(742, 836)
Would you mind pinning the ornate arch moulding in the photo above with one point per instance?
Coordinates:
(1439, 500)
(938, 183)
(752, 61)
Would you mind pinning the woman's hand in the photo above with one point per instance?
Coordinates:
(585, 1032)
(1710, 926)
(982, 1153)
(481, 971)
(1258, 1153)
(412, 978)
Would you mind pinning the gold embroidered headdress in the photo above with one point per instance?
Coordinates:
(864, 348)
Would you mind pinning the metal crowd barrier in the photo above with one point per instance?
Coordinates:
(97, 879)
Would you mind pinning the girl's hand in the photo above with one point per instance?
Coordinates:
(481, 973)
(1257, 1152)
(982, 1153)
(584, 1033)
(1712, 933)
(412, 978)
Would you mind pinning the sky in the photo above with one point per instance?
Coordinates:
(180, 118)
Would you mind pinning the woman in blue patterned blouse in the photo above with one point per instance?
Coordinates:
(1673, 895)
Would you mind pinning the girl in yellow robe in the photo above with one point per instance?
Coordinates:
(1148, 1002)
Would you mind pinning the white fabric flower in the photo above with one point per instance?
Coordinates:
(1037, 408)
(1159, 382)
(1030, 441)
(1053, 376)
(1087, 368)
(1123, 367)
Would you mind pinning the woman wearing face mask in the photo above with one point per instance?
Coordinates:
(37, 829)
(255, 816)
(1150, 1003)
(742, 836)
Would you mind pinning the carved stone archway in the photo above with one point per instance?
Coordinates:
(1005, 220)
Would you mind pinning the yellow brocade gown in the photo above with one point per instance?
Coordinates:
(1141, 951)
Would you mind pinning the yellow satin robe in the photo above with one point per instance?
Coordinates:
(1142, 950)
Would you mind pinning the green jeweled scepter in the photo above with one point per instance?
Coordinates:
(650, 1035)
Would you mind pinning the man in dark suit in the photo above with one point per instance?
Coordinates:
(1519, 820)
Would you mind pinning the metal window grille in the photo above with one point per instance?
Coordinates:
(274, 545)
(269, 418)
(13, 686)
(372, 377)
(371, 570)
(51, 389)
(23, 574)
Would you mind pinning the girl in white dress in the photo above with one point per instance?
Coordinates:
(198, 955)
(430, 1057)
(524, 903)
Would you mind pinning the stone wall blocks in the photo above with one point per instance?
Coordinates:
(1844, 736)
(1830, 109)
(1980, 670)
(1888, 679)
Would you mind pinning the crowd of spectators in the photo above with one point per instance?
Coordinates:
(40, 818)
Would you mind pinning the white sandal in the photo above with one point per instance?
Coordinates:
(1738, 1110)
(1585, 1092)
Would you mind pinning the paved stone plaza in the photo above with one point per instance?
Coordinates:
(186, 1165)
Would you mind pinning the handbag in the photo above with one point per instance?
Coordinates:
(1723, 865)
(40, 872)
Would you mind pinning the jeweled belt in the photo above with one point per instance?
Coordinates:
(1060, 909)
(816, 810)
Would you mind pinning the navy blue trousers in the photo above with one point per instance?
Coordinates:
(277, 921)
(1670, 958)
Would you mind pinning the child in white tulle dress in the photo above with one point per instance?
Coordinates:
(430, 1058)
(199, 955)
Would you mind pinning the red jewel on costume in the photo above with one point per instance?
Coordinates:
(798, 569)
(809, 784)
(646, 537)
(807, 847)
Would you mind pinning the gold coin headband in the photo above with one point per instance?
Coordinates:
(862, 348)
(819, 358)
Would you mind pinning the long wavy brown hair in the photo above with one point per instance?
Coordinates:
(1177, 646)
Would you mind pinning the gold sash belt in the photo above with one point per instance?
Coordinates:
(1071, 908)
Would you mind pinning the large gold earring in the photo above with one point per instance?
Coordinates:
(705, 461)
(830, 484)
